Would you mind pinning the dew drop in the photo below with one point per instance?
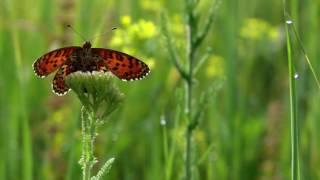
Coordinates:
(289, 21)
(296, 76)
(163, 122)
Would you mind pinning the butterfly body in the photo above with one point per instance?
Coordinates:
(86, 59)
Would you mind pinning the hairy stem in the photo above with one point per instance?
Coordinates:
(99, 97)
(88, 133)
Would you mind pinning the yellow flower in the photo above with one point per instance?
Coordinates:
(150, 5)
(146, 29)
(126, 20)
(254, 29)
(116, 41)
(215, 67)
(274, 34)
(136, 32)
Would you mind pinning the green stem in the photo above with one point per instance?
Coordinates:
(293, 112)
(188, 154)
(88, 133)
(306, 56)
(174, 56)
(194, 40)
(190, 60)
(99, 97)
(190, 128)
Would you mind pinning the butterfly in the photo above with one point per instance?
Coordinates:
(86, 59)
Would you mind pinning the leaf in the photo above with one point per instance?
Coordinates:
(104, 169)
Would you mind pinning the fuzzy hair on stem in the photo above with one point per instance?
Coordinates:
(99, 97)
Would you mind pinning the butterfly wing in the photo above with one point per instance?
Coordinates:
(59, 85)
(122, 65)
(53, 60)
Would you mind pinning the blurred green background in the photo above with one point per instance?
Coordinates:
(244, 132)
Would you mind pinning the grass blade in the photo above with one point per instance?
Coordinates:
(293, 111)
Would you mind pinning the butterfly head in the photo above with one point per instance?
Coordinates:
(86, 45)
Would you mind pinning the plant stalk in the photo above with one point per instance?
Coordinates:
(193, 42)
(88, 133)
(188, 154)
(188, 83)
(99, 97)
(293, 112)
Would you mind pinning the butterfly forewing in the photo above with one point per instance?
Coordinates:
(122, 65)
(53, 60)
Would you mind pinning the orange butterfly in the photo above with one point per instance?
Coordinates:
(86, 59)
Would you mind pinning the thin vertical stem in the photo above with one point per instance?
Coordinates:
(88, 134)
(189, 119)
(293, 112)
(189, 116)
(188, 154)
(190, 59)
(84, 157)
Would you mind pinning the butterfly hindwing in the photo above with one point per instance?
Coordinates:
(122, 65)
(52, 61)
(59, 86)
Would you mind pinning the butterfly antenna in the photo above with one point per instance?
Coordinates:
(102, 34)
(75, 31)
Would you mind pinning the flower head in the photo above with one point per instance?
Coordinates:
(96, 91)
